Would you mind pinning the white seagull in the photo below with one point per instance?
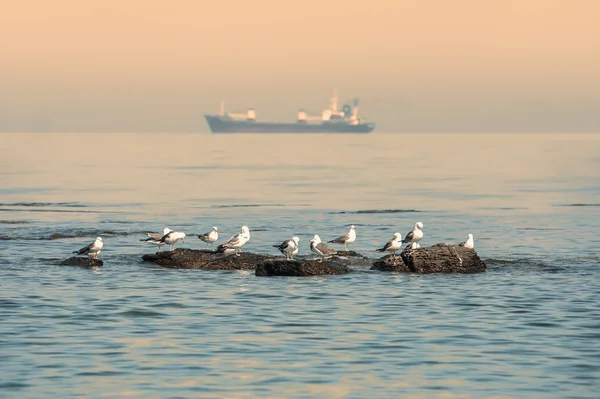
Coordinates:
(92, 250)
(392, 245)
(289, 247)
(154, 238)
(347, 238)
(210, 237)
(170, 239)
(414, 236)
(470, 243)
(236, 242)
(320, 248)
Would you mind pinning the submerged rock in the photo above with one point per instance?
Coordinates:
(390, 264)
(281, 267)
(183, 258)
(442, 258)
(82, 262)
(350, 254)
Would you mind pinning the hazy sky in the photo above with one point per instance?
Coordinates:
(420, 65)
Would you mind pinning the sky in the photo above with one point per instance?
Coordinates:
(420, 65)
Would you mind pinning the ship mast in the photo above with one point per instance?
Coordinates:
(334, 101)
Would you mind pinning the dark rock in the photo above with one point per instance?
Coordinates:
(280, 267)
(183, 258)
(82, 262)
(350, 254)
(390, 264)
(443, 259)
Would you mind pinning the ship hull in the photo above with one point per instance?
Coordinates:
(219, 125)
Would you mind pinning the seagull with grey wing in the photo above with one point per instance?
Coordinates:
(236, 242)
(92, 250)
(154, 238)
(320, 248)
(470, 243)
(170, 239)
(347, 238)
(210, 237)
(392, 245)
(289, 247)
(414, 236)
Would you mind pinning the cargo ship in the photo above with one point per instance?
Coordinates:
(331, 120)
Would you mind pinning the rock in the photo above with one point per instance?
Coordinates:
(183, 258)
(390, 264)
(281, 267)
(442, 259)
(82, 262)
(350, 254)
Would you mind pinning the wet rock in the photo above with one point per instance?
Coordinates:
(390, 264)
(442, 259)
(183, 258)
(82, 262)
(350, 254)
(282, 267)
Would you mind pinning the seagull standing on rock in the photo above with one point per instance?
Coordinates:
(236, 242)
(170, 239)
(392, 245)
(154, 238)
(470, 243)
(414, 236)
(210, 237)
(320, 248)
(347, 238)
(289, 247)
(92, 250)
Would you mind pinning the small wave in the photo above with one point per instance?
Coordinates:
(13, 222)
(141, 313)
(50, 210)
(74, 234)
(577, 205)
(537, 228)
(245, 205)
(42, 204)
(379, 211)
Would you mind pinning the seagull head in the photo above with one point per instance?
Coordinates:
(397, 236)
(419, 225)
(296, 240)
(470, 235)
(99, 239)
(245, 229)
(316, 239)
(352, 227)
(215, 228)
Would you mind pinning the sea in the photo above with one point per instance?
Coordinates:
(528, 327)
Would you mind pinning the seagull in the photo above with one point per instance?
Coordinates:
(92, 250)
(289, 247)
(469, 243)
(320, 248)
(414, 236)
(170, 239)
(154, 238)
(392, 245)
(210, 237)
(236, 242)
(347, 238)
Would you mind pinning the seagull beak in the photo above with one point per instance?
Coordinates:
(183, 240)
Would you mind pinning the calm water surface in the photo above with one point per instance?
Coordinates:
(527, 328)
